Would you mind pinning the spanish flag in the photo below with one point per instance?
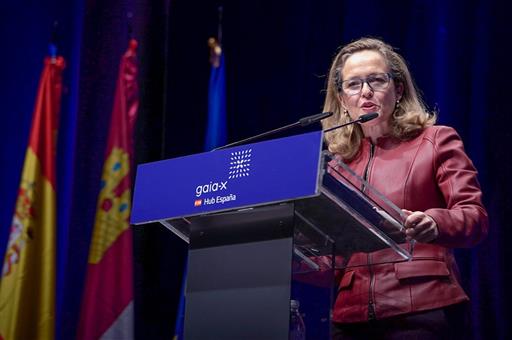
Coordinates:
(27, 285)
(107, 304)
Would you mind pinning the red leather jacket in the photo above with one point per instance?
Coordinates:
(429, 173)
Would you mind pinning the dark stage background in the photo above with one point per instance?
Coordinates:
(277, 55)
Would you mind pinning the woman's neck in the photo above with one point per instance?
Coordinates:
(376, 131)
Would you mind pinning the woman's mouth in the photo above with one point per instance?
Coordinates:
(369, 107)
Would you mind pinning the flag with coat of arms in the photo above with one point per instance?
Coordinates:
(27, 284)
(107, 304)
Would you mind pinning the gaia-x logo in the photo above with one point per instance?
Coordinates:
(239, 165)
(211, 187)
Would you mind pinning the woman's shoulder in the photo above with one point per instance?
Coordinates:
(442, 138)
(435, 131)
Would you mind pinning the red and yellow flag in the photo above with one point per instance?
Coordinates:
(27, 285)
(107, 305)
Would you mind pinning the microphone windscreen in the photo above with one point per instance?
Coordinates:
(368, 116)
(314, 118)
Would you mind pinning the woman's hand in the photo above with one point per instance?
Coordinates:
(420, 227)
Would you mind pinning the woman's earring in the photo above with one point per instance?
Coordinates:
(396, 111)
(345, 112)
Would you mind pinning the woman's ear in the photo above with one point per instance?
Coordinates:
(341, 100)
(399, 88)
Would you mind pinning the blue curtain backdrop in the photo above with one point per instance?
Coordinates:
(278, 53)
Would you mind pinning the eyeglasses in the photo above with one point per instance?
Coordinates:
(377, 82)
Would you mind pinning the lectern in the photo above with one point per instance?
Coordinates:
(266, 223)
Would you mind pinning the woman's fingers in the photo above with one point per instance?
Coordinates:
(420, 227)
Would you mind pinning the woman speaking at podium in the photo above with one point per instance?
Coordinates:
(423, 169)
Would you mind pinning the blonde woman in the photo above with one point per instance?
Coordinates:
(423, 169)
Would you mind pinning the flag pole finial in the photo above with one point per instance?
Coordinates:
(215, 51)
(215, 44)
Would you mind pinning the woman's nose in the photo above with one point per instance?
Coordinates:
(367, 90)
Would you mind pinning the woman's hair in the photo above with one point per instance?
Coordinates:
(409, 118)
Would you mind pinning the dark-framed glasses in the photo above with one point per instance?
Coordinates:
(376, 81)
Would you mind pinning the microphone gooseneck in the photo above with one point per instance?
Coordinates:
(301, 122)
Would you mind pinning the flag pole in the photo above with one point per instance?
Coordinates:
(220, 11)
(52, 46)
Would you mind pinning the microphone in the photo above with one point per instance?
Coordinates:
(301, 122)
(314, 118)
(362, 119)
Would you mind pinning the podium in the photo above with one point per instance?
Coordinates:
(267, 223)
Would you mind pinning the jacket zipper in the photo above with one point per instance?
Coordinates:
(367, 169)
(371, 301)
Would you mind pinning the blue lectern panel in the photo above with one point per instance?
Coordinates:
(243, 176)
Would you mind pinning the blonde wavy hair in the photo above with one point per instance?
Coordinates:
(409, 118)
